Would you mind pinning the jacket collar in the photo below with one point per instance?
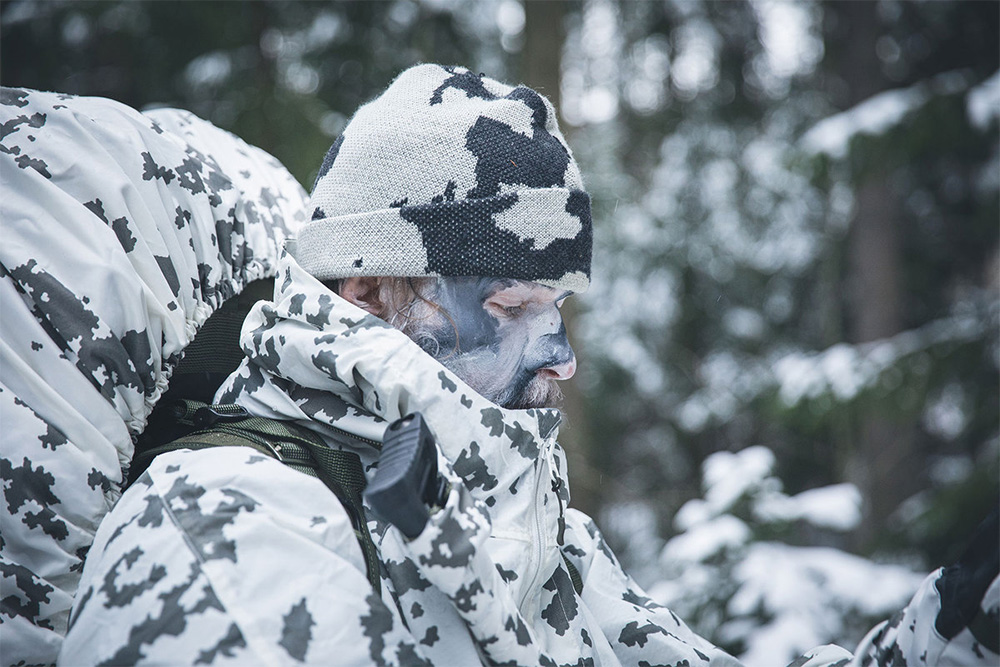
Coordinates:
(313, 357)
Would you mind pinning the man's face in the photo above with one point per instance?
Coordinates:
(505, 338)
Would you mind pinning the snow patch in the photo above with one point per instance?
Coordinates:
(983, 102)
(728, 476)
(883, 111)
(806, 591)
(209, 69)
(844, 370)
(775, 600)
(879, 113)
(706, 539)
(837, 507)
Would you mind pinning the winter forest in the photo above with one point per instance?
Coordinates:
(786, 409)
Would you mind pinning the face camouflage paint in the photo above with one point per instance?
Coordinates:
(504, 337)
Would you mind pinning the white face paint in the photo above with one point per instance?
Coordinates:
(503, 337)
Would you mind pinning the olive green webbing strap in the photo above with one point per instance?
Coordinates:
(296, 447)
(574, 574)
(342, 473)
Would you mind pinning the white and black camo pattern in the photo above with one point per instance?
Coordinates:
(450, 173)
(122, 233)
(918, 636)
(485, 581)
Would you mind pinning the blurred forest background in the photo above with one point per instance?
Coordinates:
(787, 402)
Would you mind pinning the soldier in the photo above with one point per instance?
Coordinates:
(449, 223)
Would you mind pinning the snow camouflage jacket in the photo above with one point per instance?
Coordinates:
(227, 556)
(122, 233)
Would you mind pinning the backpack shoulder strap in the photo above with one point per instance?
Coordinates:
(298, 448)
(574, 574)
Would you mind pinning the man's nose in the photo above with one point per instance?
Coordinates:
(559, 361)
(560, 371)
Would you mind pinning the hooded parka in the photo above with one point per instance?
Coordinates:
(225, 554)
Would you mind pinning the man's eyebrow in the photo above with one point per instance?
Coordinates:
(565, 294)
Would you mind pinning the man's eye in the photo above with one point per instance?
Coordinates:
(506, 309)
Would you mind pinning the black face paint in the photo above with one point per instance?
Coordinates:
(503, 337)
(471, 326)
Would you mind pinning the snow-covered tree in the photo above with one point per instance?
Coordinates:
(731, 574)
(739, 297)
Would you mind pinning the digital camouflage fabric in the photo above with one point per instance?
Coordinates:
(259, 565)
(226, 556)
(122, 233)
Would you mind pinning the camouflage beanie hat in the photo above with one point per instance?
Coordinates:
(449, 173)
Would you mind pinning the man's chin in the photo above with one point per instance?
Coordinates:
(525, 391)
(539, 393)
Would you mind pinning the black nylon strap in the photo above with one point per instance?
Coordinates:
(215, 349)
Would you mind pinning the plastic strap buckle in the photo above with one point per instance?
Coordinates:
(210, 415)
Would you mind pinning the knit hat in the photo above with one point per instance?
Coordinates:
(449, 173)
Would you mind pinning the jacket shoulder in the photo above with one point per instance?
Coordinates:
(222, 547)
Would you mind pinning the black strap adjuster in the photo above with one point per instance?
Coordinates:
(210, 415)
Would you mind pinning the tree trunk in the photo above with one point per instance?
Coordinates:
(541, 65)
(541, 57)
(883, 461)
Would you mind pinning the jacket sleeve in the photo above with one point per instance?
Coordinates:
(954, 617)
(224, 556)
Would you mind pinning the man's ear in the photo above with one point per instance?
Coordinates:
(363, 292)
